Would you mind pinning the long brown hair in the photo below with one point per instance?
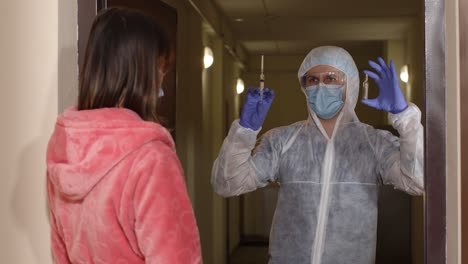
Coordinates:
(125, 51)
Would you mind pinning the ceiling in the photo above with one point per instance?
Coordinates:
(286, 27)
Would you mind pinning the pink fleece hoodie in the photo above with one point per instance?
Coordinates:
(117, 192)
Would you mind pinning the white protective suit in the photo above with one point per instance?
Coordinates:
(327, 204)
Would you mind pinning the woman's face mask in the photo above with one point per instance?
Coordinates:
(161, 78)
(161, 92)
(324, 92)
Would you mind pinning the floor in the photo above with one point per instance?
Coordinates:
(250, 255)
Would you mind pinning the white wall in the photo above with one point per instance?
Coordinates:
(38, 61)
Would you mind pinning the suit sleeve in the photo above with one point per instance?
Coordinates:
(401, 160)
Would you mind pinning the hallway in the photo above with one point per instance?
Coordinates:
(43, 43)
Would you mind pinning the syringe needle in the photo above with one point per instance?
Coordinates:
(262, 79)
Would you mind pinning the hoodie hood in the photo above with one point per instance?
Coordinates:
(340, 59)
(87, 144)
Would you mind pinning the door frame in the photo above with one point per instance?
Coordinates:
(463, 27)
(434, 121)
(435, 124)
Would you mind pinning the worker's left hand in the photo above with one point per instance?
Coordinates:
(390, 97)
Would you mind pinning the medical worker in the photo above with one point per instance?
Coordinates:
(330, 166)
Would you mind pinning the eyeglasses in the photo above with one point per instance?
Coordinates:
(328, 78)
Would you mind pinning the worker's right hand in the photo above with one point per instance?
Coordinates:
(255, 109)
(390, 97)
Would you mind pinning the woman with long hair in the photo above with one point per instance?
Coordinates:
(115, 185)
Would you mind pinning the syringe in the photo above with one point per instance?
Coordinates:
(262, 79)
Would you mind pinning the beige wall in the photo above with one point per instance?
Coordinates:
(396, 50)
(38, 63)
(415, 58)
(231, 71)
(452, 102)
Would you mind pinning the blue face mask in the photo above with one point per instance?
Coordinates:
(325, 100)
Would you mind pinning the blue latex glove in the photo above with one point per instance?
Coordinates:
(255, 109)
(390, 97)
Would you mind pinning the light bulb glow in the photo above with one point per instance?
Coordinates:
(240, 86)
(404, 75)
(208, 58)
